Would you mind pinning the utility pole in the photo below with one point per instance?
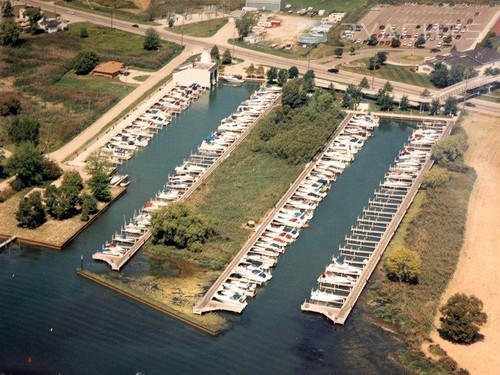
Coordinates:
(234, 41)
(182, 30)
(465, 92)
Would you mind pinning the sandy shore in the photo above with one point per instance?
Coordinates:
(477, 271)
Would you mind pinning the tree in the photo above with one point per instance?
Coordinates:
(339, 51)
(84, 32)
(72, 179)
(381, 58)
(447, 39)
(85, 62)
(450, 106)
(259, 71)
(373, 41)
(352, 50)
(7, 9)
(99, 186)
(293, 72)
(387, 87)
(24, 129)
(50, 170)
(181, 226)
(294, 93)
(426, 93)
(34, 15)
(62, 202)
(272, 74)
(27, 165)
(226, 57)
(9, 105)
(9, 32)
(434, 109)
(372, 63)
(385, 100)
(404, 103)
(96, 163)
(364, 84)
(250, 70)
(245, 24)
(309, 83)
(352, 97)
(214, 53)
(403, 265)
(420, 41)
(436, 177)
(152, 40)
(395, 42)
(31, 213)
(88, 206)
(282, 77)
(449, 149)
(462, 317)
(171, 22)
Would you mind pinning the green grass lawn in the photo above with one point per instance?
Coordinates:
(392, 73)
(494, 96)
(141, 78)
(299, 54)
(98, 84)
(328, 5)
(203, 29)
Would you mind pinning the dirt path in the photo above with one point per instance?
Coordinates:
(478, 268)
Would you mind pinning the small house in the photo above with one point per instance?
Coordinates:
(109, 69)
(52, 25)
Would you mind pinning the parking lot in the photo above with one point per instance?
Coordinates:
(465, 24)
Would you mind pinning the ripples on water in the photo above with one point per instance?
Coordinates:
(69, 325)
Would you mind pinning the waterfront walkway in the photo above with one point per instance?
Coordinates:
(366, 243)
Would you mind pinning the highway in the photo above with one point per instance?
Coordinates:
(320, 70)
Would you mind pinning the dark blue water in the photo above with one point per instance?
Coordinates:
(72, 326)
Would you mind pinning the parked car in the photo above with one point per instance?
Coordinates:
(435, 50)
(135, 25)
(469, 104)
(333, 70)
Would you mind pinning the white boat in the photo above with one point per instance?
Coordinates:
(320, 296)
(343, 268)
(232, 79)
(332, 279)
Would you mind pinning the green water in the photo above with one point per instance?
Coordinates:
(95, 331)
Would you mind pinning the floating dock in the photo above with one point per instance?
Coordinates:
(211, 162)
(364, 246)
(207, 302)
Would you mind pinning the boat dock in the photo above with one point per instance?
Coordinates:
(207, 302)
(340, 286)
(7, 242)
(210, 162)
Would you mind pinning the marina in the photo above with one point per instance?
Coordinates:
(188, 176)
(90, 321)
(343, 280)
(250, 268)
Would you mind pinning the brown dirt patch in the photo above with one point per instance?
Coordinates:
(477, 269)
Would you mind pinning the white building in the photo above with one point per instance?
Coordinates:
(273, 5)
(203, 72)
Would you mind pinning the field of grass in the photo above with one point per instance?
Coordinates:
(434, 227)
(293, 54)
(36, 72)
(494, 96)
(123, 10)
(243, 188)
(328, 5)
(97, 84)
(391, 73)
(203, 29)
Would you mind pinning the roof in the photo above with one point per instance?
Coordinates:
(473, 58)
(109, 67)
(50, 22)
(238, 13)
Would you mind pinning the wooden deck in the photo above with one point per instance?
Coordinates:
(206, 303)
(340, 315)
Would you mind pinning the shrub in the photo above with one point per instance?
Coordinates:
(27, 164)
(181, 226)
(462, 318)
(403, 265)
(85, 62)
(152, 40)
(31, 213)
(9, 105)
(436, 177)
(24, 129)
(449, 149)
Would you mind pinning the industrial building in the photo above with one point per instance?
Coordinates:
(273, 5)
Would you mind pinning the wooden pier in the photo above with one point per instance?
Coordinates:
(360, 249)
(207, 303)
(117, 262)
(7, 242)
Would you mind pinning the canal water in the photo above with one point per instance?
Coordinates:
(69, 325)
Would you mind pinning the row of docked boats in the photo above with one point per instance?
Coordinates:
(254, 268)
(337, 281)
(145, 126)
(211, 149)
